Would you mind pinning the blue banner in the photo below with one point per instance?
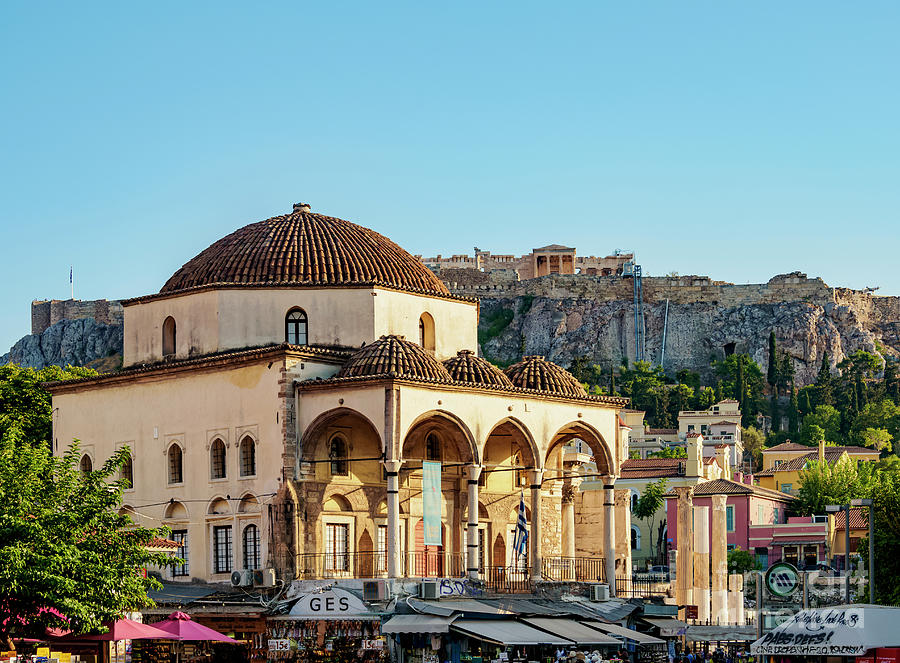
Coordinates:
(431, 503)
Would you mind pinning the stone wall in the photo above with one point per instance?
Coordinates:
(46, 313)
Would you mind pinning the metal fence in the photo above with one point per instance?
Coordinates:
(573, 569)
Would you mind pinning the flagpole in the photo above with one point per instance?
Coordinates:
(72, 280)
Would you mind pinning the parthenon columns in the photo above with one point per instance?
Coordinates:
(623, 531)
(701, 562)
(719, 557)
(684, 577)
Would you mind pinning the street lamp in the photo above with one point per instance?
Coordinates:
(835, 508)
(869, 503)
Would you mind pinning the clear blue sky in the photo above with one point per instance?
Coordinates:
(738, 140)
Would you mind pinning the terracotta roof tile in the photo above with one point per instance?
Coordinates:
(788, 446)
(535, 372)
(305, 249)
(859, 518)
(728, 487)
(394, 356)
(799, 462)
(466, 366)
(649, 468)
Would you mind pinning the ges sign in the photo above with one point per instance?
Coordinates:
(332, 603)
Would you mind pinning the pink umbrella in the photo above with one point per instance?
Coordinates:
(125, 629)
(180, 626)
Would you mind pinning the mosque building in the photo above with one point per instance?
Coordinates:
(282, 391)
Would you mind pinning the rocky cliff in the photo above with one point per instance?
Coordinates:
(82, 342)
(563, 317)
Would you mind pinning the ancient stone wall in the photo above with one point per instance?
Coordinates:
(45, 313)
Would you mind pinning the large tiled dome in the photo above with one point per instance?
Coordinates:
(535, 372)
(397, 357)
(466, 366)
(306, 249)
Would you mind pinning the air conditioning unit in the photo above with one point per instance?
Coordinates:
(242, 578)
(429, 589)
(264, 578)
(599, 592)
(376, 590)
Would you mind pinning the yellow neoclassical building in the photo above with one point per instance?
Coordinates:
(283, 389)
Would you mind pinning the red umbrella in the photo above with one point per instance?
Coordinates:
(125, 629)
(180, 626)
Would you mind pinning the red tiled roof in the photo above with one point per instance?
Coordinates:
(859, 518)
(305, 249)
(535, 372)
(159, 542)
(649, 468)
(468, 367)
(395, 356)
(694, 435)
(662, 431)
(728, 487)
(799, 462)
(787, 446)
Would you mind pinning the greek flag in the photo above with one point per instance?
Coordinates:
(520, 542)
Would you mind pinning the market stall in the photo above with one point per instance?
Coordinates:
(486, 640)
(849, 630)
(331, 626)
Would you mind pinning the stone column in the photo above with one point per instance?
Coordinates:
(392, 469)
(472, 561)
(701, 562)
(719, 558)
(684, 581)
(736, 598)
(623, 531)
(568, 519)
(609, 513)
(537, 477)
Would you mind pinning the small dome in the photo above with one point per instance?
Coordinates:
(535, 372)
(466, 366)
(305, 248)
(395, 356)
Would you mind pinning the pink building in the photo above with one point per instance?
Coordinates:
(757, 521)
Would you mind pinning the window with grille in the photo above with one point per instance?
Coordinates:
(217, 460)
(251, 547)
(181, 570)
(337, 545)
(175, 469)
(295, 327)
(222, 549)
(337, 452)
(248, 457)
(381, 550)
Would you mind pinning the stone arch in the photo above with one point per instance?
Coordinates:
(354, 497)
(218, 506)
(168, 337)
(603, 456)
(86, 464)
(336, 503)
(452, 429)
(176, 510)
(511, 423)
(248, 504)
(426, 332)
(314, 431)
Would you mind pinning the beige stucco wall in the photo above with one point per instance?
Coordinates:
(234, 318)
(190, 409)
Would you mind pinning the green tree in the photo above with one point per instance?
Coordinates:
(754, 443)
(823, 483)
(824, 383)
(25, 404)
(741, 561)
(882, 414)
(648, 506)
(63, 544)
(884, 490)
(877, 438)
(825, 417)
(669, 452)
(793, 412)
(644, 383)
(706, 398)
(742, 377)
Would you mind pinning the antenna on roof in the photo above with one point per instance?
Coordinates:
(72, 280)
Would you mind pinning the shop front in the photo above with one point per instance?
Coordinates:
(331, 626)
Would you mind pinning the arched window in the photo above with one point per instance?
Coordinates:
(337, 452)
(426, 332)
(248, 457)
(432, 447)
(175, 470)
(127, 472)
(217, 459)
(635, 537)
(251, 547)
(86, 464)
(634, 500)
(295, 327)
(168, 339)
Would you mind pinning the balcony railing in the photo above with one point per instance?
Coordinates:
(574, 569)
(373, 564)
(642, 585)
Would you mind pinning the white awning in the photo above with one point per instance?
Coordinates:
(622, 632)
(505, 632)
(572, 630)
(417, 624)
(849, 630)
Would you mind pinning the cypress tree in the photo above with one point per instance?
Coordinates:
(772, 374)
(774, 413)
(794, 413)
(807, 406)
(720, 392)
(824, 389)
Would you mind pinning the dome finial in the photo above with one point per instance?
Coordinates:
(301, 207)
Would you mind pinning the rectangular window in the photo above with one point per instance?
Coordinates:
(337, 545)
(775, 516)
(703, 429)
(787, 488)
(381, 550)
(222, 549)
(790, 555)
(180, 536)
(729, 518)
(690, 428)
(762, 557)
(810, 556)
